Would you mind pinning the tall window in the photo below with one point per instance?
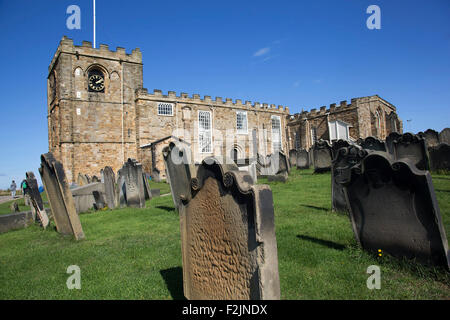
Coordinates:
(313, 135)
(276, 133)
(204, 131)
(338, 130)
(297, 141)
(241, 122)
(165, 109)
(378, 123)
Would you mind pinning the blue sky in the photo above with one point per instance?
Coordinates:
(301, 54)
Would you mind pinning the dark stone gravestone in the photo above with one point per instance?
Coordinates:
(372, 144)
(121, 191)
(293, 157)
(100, 202)
(37, 206)
(281, 166)
(155, 192)
(408, 146)
(228, 238)
(440, 157)
(59, 196)
(179, 171)
(95, 179)
(431, 137)
(83, 196)
(321, 156)
(109, 181)
(393, 208)
(147, 191)
(134, 186)
(344, 155)
(444, 136)
(302, 159)
(14, 221)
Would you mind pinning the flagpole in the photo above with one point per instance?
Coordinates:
(94, 23)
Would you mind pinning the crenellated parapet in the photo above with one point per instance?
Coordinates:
(157, 95)
(323, 110)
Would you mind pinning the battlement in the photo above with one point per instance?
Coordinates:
(66, 45)
(195, 98)
(343, 105)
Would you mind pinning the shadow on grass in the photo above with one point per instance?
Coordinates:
(314, 207)
(440, 190)
(165, 208)
(329, 244)
(174, 282)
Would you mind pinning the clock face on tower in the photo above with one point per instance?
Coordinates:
(96, 81)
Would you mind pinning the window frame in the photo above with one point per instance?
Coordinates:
(242, 131)
(210, 150)
(280, 133)
(166, 104)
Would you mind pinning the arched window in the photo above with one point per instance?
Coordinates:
(378, 123)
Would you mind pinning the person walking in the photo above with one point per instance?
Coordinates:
(13, 189)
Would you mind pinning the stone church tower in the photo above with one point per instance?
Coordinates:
(91, 113)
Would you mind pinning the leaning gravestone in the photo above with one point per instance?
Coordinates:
(281, 166)
(37, 206)
(228, 238)
(444, 136)
(59, 196)
(179, 172)
(293, 157)
(408, 146)
(372, 144)
(440, 157)
(147, 191)
(321, 156)
(134, 187)
(302, 159)
(431, 137)
(393, 208)
(109, 181)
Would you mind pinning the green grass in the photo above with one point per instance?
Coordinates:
(136, 254)
(5, 206)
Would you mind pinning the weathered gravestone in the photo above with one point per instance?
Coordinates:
(343, 157)
(179, 171)
(393, 208)
(147, 191)
(14, 207)
(408, 146)
(431, 137)
(95, 179)
(444, 136)
(37, 206)
(82, 180)
(87, 178)
(281, 166)
(321, 156)
(109, 181)
(440, 157)
(16, 220)
(228, 238)
(121, 189)
(293, 157)
(59, 196)
(83, 196)
(251, 169)
(302, 159)
(100, 202)
(372, 144)
(133, 186)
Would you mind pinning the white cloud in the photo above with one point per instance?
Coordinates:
(261, 52)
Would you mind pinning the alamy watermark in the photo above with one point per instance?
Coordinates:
(74, 20)
(374, 281)
(374, 20)
(73, 281)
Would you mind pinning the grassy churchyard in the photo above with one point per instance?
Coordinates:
(136, 254)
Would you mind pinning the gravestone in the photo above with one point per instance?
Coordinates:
(82, 180)
(293, 157)
(179, 172)
(281, 166)
(393, 208)
(228, 241)
(36, 204)
(321, 156)
(59, 196)
(14, 206)
(251, 169)
(16, 220)
(372, 144)
(121, 189)
(302, 159)
(444, 136)
(87, 179)
(95, 179)
(155, 192)
(134, 186)
(109, 181)
(345, 155)
(408, 146)
(431, 137)
(440, 157)
(147, 191)
(83, 196)
(100, 202)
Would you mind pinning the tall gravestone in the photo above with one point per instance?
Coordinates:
(280, 166)
(179, 172)
(321, 156)
(293, 157)
(59, 197)
(82, 180)
(37, 205)
(444, 136)
(302, 159)
(408, 146)
(440, 157)
(228, 238)
(147, 191)
(133, 184)
(431, 137)
(121, 191)
(109, 181)
(393, 208)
